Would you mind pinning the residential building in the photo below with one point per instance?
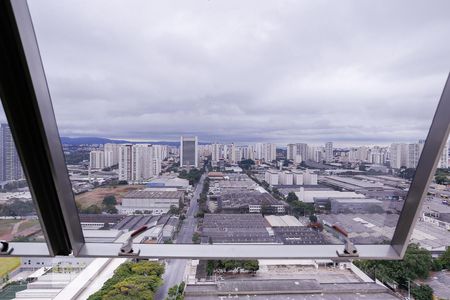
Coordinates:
(329, 152)
(111, 154)
(10, 166)
(96, 159)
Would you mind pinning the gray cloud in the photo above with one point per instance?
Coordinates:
(244, 71)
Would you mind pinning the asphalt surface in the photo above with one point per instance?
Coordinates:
(175, 267)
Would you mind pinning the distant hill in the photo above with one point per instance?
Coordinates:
(99, 140)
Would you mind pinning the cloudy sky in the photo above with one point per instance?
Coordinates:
(244, 71)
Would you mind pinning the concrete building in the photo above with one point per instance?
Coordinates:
(189, 152)
(286, 178)
(308, 196)
(443, 162)
(355, 205)
(329, 152)
(111, 154)
(271, 177)
(154, 202)
(96, 159)
(138, 163)
(10, 166)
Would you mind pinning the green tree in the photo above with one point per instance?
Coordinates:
(196, 238)
(422, 292)
(109, 200)
(251, 265)
(132, 280)
(445, 259)
(416, 263)
(92, 209)
(291, 197)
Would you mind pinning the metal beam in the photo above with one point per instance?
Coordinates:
(28, 108)
(426, 168)
(219, 251)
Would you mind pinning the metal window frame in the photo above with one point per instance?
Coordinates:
(28, 107)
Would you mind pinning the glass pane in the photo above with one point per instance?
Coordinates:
(18, 219)
(211, 124)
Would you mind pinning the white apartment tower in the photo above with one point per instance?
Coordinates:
(125, 162)
(329, 152)
(111, 154)
(96, 160)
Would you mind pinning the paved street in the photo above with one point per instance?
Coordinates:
(175, 267)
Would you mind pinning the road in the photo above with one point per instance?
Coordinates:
(175, 267)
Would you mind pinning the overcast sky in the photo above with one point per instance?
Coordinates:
(244, 71)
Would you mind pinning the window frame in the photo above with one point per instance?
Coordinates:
(28, 108)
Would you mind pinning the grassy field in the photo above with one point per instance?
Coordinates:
(28, 224)
(8, 264)
(6, 226)
(96, 196)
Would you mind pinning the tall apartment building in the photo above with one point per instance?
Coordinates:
(216, 152)
(407, 155)
(329, 152)
(269, 152)
(10, 166)
(139, 162)
(398, 155)
(111, 154)
(291, 151)
(97, 159)
(188, 152)
(125, 162)
(443, 161)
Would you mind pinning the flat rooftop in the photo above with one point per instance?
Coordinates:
(154, 195)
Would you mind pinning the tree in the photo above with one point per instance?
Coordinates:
(291, 197)
(132, 280)
(416, 263)
(174, 210)
(109, 200)
(441, 179)
(92, 209)
(313, 218)
(251, 265)
(445, 259)
(422, 292)
(196, 238)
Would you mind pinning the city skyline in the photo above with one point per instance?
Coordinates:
(250, 74)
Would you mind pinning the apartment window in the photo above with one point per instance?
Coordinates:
(168, 162)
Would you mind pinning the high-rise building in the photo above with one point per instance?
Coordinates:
(140, 162)
(10, 166)
(142, 158)
(302, 150)
(443, 161)
(125, 162)
(398, 155)
(291, 151)
(329, 152)
(269, 152)
(216, 152)
(111, 154)
(97, 159)
(189, 152)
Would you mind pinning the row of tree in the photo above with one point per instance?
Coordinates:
(17, 208)
(231, 265)
(131, 280)
(193, 175)
(416, 264)
(108, 206)
(176, 292)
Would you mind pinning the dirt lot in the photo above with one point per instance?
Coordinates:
(96, 196)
